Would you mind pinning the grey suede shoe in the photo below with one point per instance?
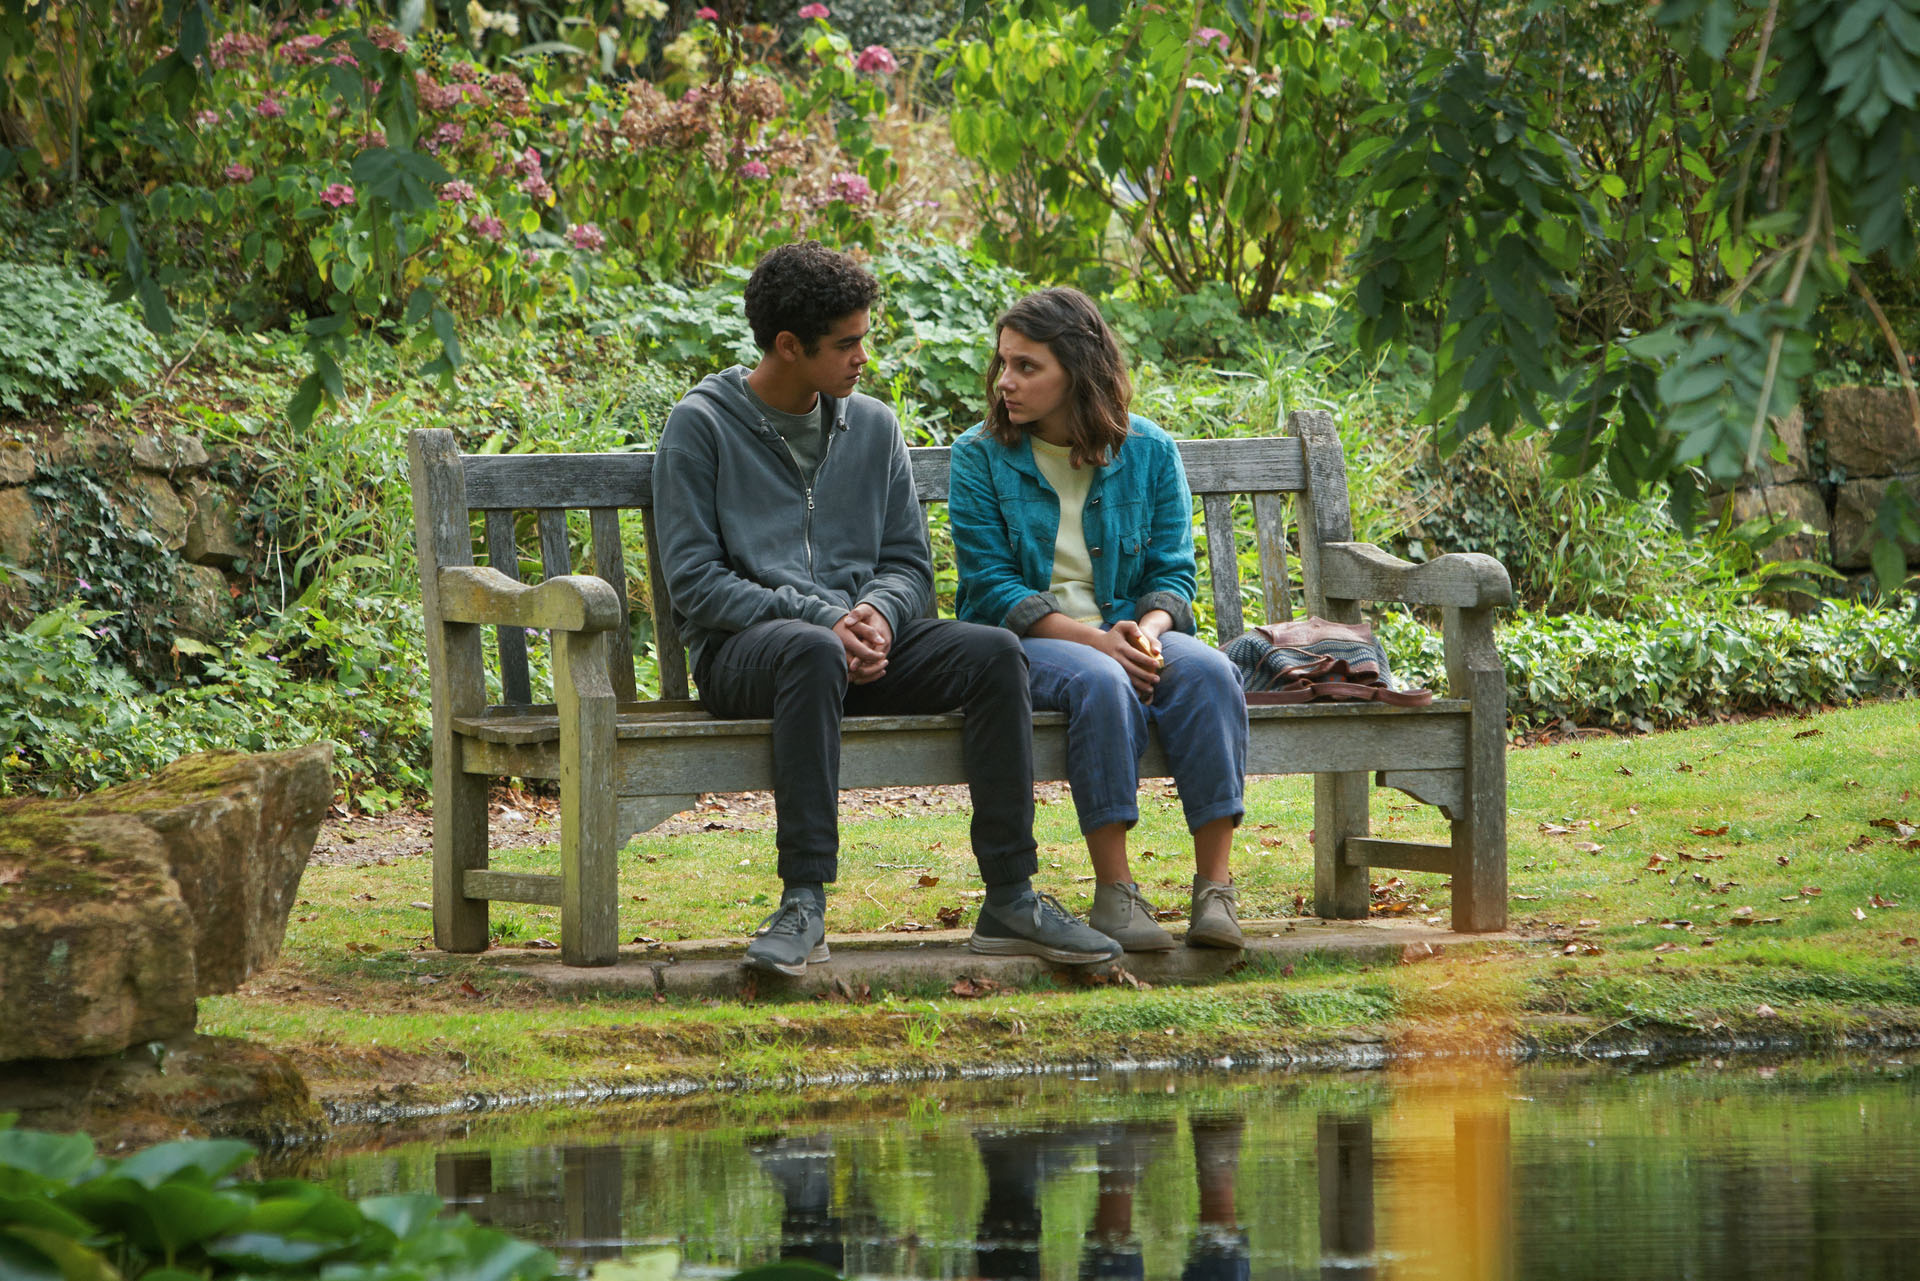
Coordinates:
(793, 936)
(1120, 913)
(1215, 919)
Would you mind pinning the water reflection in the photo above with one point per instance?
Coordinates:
(1694, 1173)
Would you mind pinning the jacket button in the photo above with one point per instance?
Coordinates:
(1094, 501)
(1093, 551)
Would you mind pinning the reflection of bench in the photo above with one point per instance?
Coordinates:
(624, 765)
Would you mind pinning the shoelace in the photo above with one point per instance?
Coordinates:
(772, 924)
(1210, 892)
(1136, 901)
(1048, 903)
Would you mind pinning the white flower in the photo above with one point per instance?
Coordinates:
(652, 10)
(1268, 90)
(1204, 86)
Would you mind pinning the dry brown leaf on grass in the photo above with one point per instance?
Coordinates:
(949, 917)
(11, 873)
(1900, 828)
(928, 881)
(972, 988)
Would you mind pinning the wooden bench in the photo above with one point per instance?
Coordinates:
(624, 764)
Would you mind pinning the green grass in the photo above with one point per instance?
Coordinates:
(361, 999)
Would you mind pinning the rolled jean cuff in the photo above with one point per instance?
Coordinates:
(1021, 618)
(1128, 814)
(1234, 809)
(1176, 605)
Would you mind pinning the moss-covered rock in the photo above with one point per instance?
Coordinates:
(118, 908)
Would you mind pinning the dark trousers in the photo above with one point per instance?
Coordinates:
(796, 673)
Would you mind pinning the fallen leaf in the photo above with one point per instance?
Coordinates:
(10, 873)
(1781, 859)
(1898, 826)
(1413, 953)
(1588, 847)
(1588, 923)
(949, 917)
(1655, 860)
(1859, 914)
(1766, 1011)
(1808, 733)
(1741, 916)
(928, 880)
(1910, 941)
(971, 988)
(1877, 901)
(1809, 816)
(543, 945)
(1621, 769)
(468, 989)
(1683, 768)
(417, 905)
(1555, 829)
(1525, 898)
(1671, 947)
(1709, 831)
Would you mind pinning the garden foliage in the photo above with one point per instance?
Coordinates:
(61, 339)
(180, 1210)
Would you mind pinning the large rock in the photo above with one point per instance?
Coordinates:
(16, 462)
(148, 501)
(118, 908)
(1800, 502)
(22, 532)
(1854, 505)
(1870, 431)
(96, 944)
(1792, 433)
(213, 534)
(203, 606)
(169, 453)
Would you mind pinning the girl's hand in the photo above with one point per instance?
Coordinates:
(1137, 653)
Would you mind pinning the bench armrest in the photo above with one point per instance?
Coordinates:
(1465, 580)
(568, 603)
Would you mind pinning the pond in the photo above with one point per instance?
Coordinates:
(1707, 1169)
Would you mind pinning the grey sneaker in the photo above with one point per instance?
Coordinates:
(1120, 913)
(1036, 925)
(1215, 919)
(794, 936)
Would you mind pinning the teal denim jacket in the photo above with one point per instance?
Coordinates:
(1005, 518)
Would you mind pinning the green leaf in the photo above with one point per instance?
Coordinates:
(58, 1158)
(306, 399)
(208, 1159)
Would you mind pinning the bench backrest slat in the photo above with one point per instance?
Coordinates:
(1268, 469)
(515, 685)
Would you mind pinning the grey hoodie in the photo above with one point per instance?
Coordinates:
(744, 539)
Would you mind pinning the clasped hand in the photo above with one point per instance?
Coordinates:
(867, 638)
(1137, 650)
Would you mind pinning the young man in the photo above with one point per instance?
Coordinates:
(791, 540)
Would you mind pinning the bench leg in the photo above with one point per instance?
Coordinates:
(459, 843)
(1475, 672)
(589, 851)
(1339, 811)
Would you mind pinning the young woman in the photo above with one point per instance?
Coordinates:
(1074, 530)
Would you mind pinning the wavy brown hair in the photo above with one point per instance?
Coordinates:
(1098, 389)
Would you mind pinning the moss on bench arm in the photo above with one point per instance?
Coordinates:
(1464, 580)
(569, 603)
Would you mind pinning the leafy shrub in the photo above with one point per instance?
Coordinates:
(60, 338)
(1686, 661)
(179, 1209)
(939, 302)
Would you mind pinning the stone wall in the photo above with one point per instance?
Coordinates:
(1843, 451)
(158, 484)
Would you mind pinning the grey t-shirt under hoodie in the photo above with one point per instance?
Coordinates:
(805, 434)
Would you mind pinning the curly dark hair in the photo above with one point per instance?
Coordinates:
(802, 289)
(1099, 392)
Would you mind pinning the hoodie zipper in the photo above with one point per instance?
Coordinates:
(806, 525)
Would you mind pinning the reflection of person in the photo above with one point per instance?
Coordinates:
(792, 542)
(1113, 1251)
(1073, 527)
(1016, 1163)
(1219, 1248)
(801, 1168)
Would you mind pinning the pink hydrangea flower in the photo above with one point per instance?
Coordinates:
(270, 108)
(584, 235)
(387, 38)
(850, 187)
(1211, 35)
(376, 138)
(457, 192)
(488, 228)
(876, 57)
(755, 169)
(235, 47)
(539, 189)
(707, 13)
(532, 257)
(447, 134)
(529, 164)
(813, 11)
(237, 172)
(300, 50)
(337, 195)
(206, 119)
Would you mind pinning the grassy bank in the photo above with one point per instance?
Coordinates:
(1759, 877)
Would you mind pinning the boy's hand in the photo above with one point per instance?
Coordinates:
(866, 649)
(879, 631)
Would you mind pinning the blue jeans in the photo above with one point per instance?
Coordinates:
(1198, 708)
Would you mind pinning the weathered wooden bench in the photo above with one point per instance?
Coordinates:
(624, 765)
